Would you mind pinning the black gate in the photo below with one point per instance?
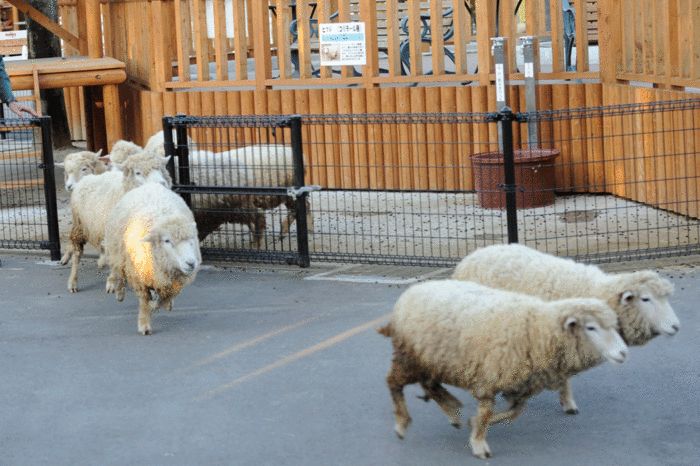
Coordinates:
(28, 209)
(242, 171)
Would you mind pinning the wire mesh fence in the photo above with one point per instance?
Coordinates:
(603, 184)
(28, 212)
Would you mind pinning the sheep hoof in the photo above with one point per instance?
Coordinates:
(120, 294)
(65, 259)
(73, 288)
(572, 411)
(425, 398)
(146, 331)
(480, 449)
(456, 425)
(400, 431)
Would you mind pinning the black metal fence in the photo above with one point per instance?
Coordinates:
(603, 184)
(28, 208)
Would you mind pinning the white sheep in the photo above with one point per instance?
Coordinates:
(491, 341)
(213, 210)
(640, 299)
(272, 165)
(93, 198)
(121, 150)
(80, 164)
(151, 242)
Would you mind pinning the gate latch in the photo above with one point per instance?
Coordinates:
(296, 192)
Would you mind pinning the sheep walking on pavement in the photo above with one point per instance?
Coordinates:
(640, 299)
(492, 341)
(151, 243)
(94, 197)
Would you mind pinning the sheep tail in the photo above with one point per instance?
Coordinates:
(386, 330)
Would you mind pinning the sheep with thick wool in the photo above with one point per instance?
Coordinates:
(121, 150)
(94, 197)
(80, 164)
(151, 243)
(272, 165)
(640, 299)
(491, 341)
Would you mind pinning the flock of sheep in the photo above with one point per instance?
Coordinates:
(511, 321)
(123, 206)
(516, 321)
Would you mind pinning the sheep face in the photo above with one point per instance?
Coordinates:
(176, 252)
(601, 334)
(78, 165)
(648, 296)
(140, 169)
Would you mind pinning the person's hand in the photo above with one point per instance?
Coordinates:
(18, 109)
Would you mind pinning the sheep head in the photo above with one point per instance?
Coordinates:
(80, 164)
(144, 168)
(175, 248)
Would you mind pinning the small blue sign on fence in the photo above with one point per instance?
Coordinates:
(342, 44)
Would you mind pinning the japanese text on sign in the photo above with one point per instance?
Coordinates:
(342, 44)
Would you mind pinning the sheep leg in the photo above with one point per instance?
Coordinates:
(73, 277)
(447, 402)
(291, 217)
(400, 376)
(145, 311)
(480, 423)
(566, 398)
(516, 409)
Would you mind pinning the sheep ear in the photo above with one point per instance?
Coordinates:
(58, 164)
(98, 153)
(571, 323)
(166, 159)
(104, 159)
(626, 297)
(149, 238)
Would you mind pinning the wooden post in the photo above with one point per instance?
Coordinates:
(485, 27)
(113, 122)
(610, 48)
(261, 43)
(93, 20)
(157, 78)
(368, 15)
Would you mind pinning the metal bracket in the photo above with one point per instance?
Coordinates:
(296, 192)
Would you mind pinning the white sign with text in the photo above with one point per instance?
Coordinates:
(342, 44)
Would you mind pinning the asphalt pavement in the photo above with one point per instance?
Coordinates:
(283, 366)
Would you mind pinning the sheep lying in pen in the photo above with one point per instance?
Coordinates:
(94, 197)
(491, 341)
(640, 299)
(80, 164)
(151, 243)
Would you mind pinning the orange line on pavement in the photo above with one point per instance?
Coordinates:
(306, 352)
(245, 344)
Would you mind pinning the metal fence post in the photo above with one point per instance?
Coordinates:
(169, 146)
(54, 245)
(183, 156)
(302, 226)
(505, 123)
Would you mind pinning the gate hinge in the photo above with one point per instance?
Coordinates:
(296, 192)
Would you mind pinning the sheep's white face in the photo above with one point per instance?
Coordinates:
(655, 309)
(605, 340)
(72, 178)
(78, 166)
(142, 177)
(182, 254)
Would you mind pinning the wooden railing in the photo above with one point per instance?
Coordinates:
(655, 41)
(181, 44)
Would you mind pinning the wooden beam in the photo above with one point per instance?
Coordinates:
(40, 18)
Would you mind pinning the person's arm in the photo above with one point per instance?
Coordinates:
(6, 95)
